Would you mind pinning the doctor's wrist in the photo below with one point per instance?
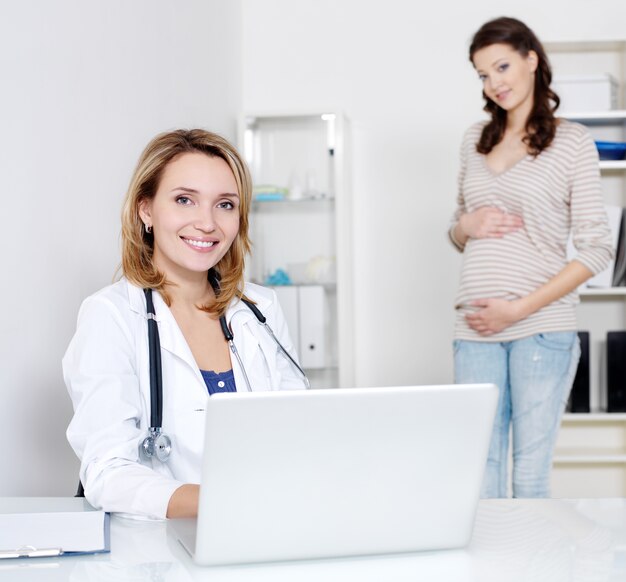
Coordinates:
(184, 501)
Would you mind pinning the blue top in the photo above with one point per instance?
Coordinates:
(219, 382)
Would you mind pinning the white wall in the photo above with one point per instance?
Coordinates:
(84, 86)
(400, 72)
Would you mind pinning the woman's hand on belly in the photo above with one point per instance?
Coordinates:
(494, 315)
(488, 222)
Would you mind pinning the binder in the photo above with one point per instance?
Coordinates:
(62, 533)
(312, 327)
(616, 371)
(619, 272)
(305, 308)
(579, 396)
(288, 297)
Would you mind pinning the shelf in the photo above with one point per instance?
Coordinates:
(605, 428)
(584, 417)
(607, 116)
(602, 292)
(615, 116)
(569, 46)
(613, 164)
(590, 457)
(305, 204)
(328, 287)
(286, 117)
(599, 455)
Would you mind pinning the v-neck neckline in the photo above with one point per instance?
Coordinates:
(495, 174)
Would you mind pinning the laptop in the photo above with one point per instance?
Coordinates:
(291, 475)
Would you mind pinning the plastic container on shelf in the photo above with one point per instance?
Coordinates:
(269, 193)
(611, 150)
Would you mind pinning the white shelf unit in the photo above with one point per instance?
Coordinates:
(308, 233)
(590, 454)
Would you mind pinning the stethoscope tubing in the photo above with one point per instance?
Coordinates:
(156, 373)
(286, 353)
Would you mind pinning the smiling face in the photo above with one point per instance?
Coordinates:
(194, 215)
(508, 77)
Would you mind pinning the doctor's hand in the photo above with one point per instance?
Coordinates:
(494, 315)
(489, 222)
(184, 501)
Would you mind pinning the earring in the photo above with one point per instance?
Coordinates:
(148, 228)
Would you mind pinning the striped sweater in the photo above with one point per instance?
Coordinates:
(556, 192)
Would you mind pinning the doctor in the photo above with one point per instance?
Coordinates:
(184, 241)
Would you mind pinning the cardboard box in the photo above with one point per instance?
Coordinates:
(586, 92)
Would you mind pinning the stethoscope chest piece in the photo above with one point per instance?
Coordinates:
(157, 444)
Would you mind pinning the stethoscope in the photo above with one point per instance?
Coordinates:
(157, 443)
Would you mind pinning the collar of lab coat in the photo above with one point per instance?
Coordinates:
(239, 317)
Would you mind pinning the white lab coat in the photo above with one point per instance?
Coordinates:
(106, 370)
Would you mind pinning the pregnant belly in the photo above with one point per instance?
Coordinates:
(508, 267)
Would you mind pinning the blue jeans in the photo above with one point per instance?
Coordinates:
(534, 376)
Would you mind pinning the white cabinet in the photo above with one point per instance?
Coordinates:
(590, 455)
(301, 230)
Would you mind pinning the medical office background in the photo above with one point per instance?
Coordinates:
(85, 85)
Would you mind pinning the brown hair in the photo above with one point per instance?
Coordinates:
(137, 244)
(541, 123)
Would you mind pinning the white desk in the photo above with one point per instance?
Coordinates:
(514, 540)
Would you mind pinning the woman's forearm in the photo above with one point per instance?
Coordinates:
(495, 314)
(565, 281)
(458, 236)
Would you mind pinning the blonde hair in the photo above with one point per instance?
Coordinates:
(137, 244)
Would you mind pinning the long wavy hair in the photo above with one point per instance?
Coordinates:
(138, 245)
(541, 123)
